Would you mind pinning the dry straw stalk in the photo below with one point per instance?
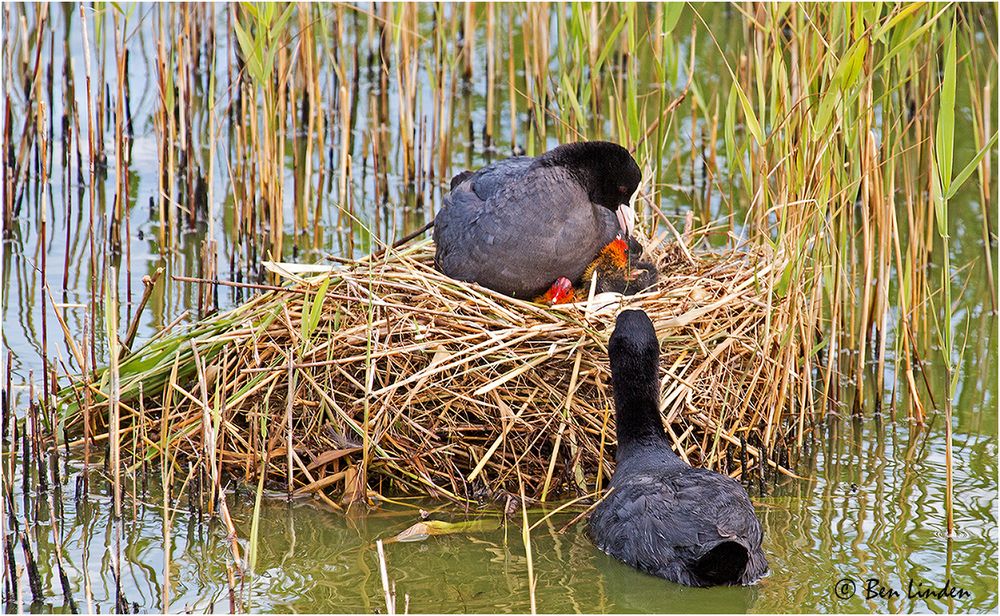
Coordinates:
(404, 381)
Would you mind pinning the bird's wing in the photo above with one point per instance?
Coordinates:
(721, 503)
(620, 525)
(517, 227)
(455, 232)
(490, 179)
(452, 230)
(541, 226)
(685, 512)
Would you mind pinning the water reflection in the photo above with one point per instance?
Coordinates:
(873, 510)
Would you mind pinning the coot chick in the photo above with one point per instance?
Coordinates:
(561, 292)
(639, 277)
(620, 269)
(519, 224)
(616, 269)
(688, 525)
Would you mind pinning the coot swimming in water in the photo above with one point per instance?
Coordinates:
(688, 525)
(519, 224)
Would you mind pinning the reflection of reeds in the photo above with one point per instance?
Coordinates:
(288, 129)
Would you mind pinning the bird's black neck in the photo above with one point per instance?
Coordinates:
(637, 414)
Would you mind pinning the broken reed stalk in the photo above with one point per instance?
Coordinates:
(410, 382)
(388, 594)
(526, 539)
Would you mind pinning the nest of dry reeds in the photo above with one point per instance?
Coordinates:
(383, 376)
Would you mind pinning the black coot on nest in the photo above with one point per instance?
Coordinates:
(688, 525)
(519, 224)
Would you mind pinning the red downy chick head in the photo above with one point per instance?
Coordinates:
(561, 292)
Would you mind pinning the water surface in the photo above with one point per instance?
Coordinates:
(871, 506)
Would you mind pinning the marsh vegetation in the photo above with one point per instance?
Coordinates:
(151, 151)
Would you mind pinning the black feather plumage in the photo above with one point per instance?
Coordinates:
(517, 225)
(688, 525)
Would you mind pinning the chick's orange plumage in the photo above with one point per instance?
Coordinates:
(613, 258)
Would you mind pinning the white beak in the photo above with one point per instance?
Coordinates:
(626, 218)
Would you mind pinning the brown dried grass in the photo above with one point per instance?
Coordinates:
(404, 381)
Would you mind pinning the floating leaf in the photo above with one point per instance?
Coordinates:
(433, 528)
